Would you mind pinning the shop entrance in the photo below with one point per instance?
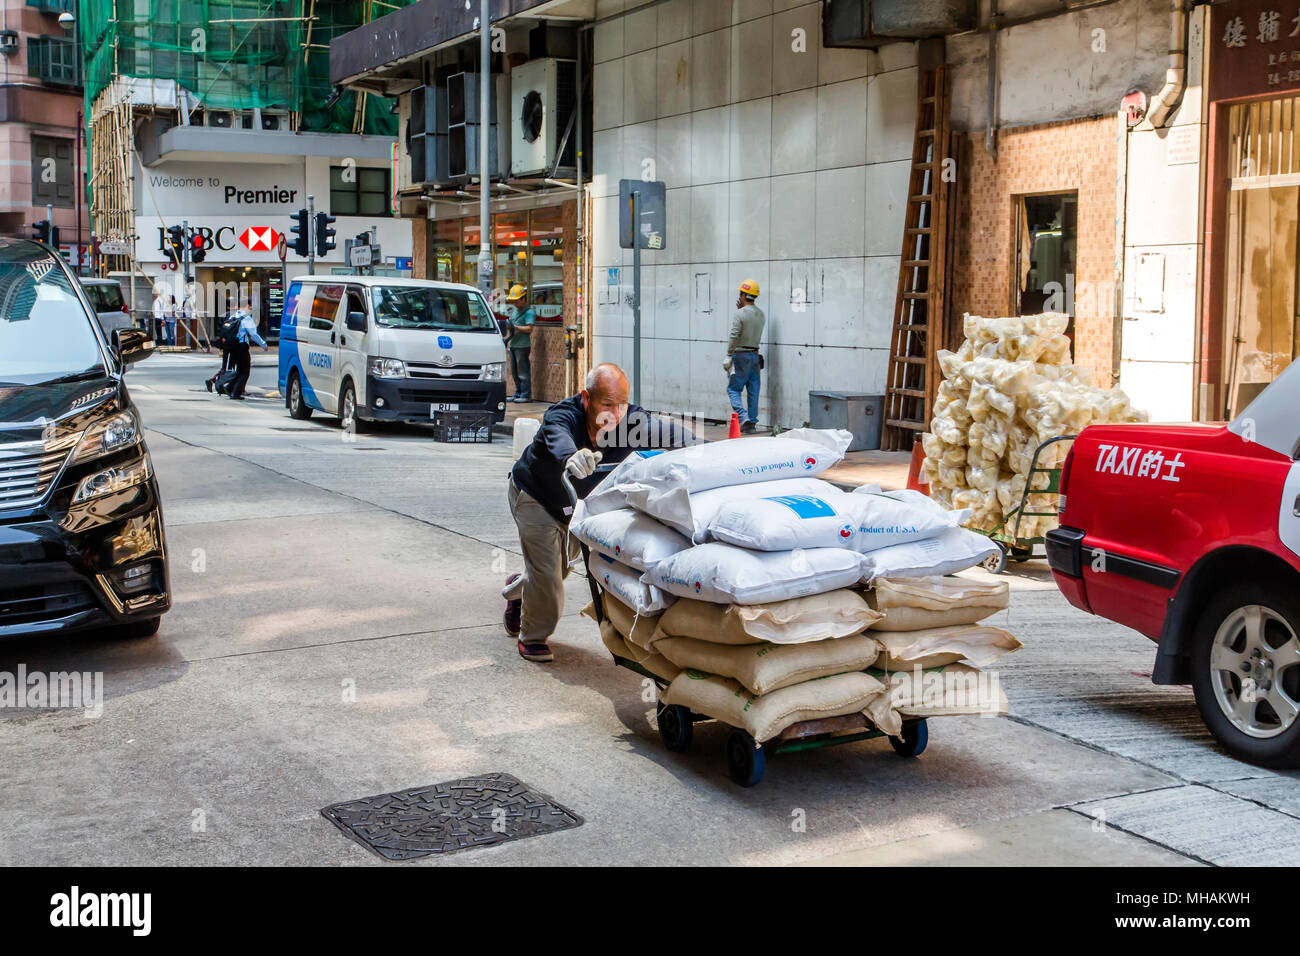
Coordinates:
(257, 288)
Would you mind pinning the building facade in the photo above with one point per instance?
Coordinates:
(41, 147)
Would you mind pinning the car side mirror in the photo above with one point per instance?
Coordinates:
(132, 345)
(356, 321)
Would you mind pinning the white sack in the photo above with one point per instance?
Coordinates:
(954, 550)
(628, 536)
(725, 574)
(691, 514)
(623, 582)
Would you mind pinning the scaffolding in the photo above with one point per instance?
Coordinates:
(177, 57)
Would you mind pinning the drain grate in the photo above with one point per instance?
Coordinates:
(446, 817)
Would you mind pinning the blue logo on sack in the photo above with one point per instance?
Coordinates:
(444, 341)
(805, 506)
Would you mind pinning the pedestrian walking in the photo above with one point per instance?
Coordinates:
(520, 344)
(743, 363)
(243, 361)
(169, 322)
(576, 435)
(159, 314)
(227, 336)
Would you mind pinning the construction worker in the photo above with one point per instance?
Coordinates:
(743, 361)
(520, 344)
(576, 435)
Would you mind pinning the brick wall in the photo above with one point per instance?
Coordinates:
(1070, 156)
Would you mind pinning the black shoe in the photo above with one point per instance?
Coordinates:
(208, 383)
(748, 428)
(237, 398)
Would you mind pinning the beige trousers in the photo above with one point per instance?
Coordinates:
(541, 587)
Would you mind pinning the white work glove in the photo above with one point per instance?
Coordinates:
(726, 365)
(582, 463)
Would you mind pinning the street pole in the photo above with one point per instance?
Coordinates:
(485, 264)
(311, 235)
(636, 297)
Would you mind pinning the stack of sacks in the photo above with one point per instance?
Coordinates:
(933, 646)
(1007, 389)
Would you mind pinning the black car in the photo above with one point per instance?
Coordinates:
(81, 524)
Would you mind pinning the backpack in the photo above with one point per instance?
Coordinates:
(228, 333)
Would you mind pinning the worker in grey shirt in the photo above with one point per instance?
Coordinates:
(743, 361)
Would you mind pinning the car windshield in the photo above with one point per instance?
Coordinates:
(419, 307)
(105, 298)
(45, 331)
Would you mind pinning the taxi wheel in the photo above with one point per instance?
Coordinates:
(1246, 672)
(348, 418)
(297, 407)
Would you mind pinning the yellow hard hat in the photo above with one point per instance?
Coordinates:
(516, 291)
(749, 287)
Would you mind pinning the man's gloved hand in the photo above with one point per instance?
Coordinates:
(582, 463)
(726, 365)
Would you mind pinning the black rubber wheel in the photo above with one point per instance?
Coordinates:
(996, 563)
(1020, 555)
(298, 408)
(912, 741)
(136, 630)
(1246, 671)
(675, 727)
(348, 417)
(746, 761)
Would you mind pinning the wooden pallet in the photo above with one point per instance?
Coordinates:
(920, 304)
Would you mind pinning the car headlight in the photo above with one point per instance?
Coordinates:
(113, 479)
(110, 435)
(387, 368)
(494, 372)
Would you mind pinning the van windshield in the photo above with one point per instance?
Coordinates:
(45, 331)
(105, 298)
(417, 307)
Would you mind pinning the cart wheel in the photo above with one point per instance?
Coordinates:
(1020, 555)
(675, 727)
(912, 741)
(996, 563)
(746, 760)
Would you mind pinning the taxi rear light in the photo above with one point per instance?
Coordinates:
(1065, 480)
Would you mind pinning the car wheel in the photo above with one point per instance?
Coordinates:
(1246, 673)
(348, 417)
(134, 631)
(298, 408)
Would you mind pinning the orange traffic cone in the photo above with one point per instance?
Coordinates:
(914, 482)
(733, 430)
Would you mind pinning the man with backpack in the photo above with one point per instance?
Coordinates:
(226, 339)
(246, 333)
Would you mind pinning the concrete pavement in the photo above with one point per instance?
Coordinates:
(337, 634)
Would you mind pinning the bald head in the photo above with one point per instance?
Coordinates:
(604, 398)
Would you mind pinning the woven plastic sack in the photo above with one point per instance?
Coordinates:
(954, 550)
(934, 647)
(627, 535)
(725, 574)
(763, 668)
(625, 584)
(691, 513)
(798, 620)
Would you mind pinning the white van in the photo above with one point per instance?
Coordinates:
(375, 348)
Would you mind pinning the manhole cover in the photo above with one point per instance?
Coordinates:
(446, 817)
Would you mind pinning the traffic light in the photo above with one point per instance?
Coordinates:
(174, 245)
(198, 248)
(301, 244)
(41, 231)
(324, 234)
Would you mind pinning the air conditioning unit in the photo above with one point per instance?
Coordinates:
(543, 97)
(426, 135)
(222, 119)
(8, 42)
(274, 120)
(463, 126)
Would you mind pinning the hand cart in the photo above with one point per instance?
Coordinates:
(746, 758)
(1011, 544)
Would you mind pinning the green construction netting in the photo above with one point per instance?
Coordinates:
(234, 54)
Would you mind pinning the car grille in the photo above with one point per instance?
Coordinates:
(26, 471)
(34, 605)
(469, 372)
(441, 395)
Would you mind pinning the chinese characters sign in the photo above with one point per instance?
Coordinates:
(1254, 48)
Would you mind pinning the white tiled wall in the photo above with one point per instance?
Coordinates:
(785, 166)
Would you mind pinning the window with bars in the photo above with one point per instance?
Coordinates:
(53, 60)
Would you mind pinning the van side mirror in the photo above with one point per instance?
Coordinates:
(132, 345)
(356, 321)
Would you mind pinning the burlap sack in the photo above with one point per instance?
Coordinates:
(973, 643)
(641, 635)
(799, 620)
(767, 715)
(914, 604)
(955, 689)
(763, 668)
(656, 664)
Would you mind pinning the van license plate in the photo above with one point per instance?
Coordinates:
(444, 407)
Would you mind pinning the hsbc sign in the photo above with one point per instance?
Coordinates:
(259, 239)
(228, 238)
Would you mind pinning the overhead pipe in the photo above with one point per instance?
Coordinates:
(1176, 73)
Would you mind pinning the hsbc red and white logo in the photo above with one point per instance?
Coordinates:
(260, 239)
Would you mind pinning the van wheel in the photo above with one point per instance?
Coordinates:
(136, 630)
(1246, 672)
(348, 418)
(298, 408)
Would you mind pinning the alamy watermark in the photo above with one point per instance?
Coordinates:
(42, 690)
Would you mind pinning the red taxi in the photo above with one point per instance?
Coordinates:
(1191, 535)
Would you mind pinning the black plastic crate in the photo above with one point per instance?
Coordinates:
(462, 427)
